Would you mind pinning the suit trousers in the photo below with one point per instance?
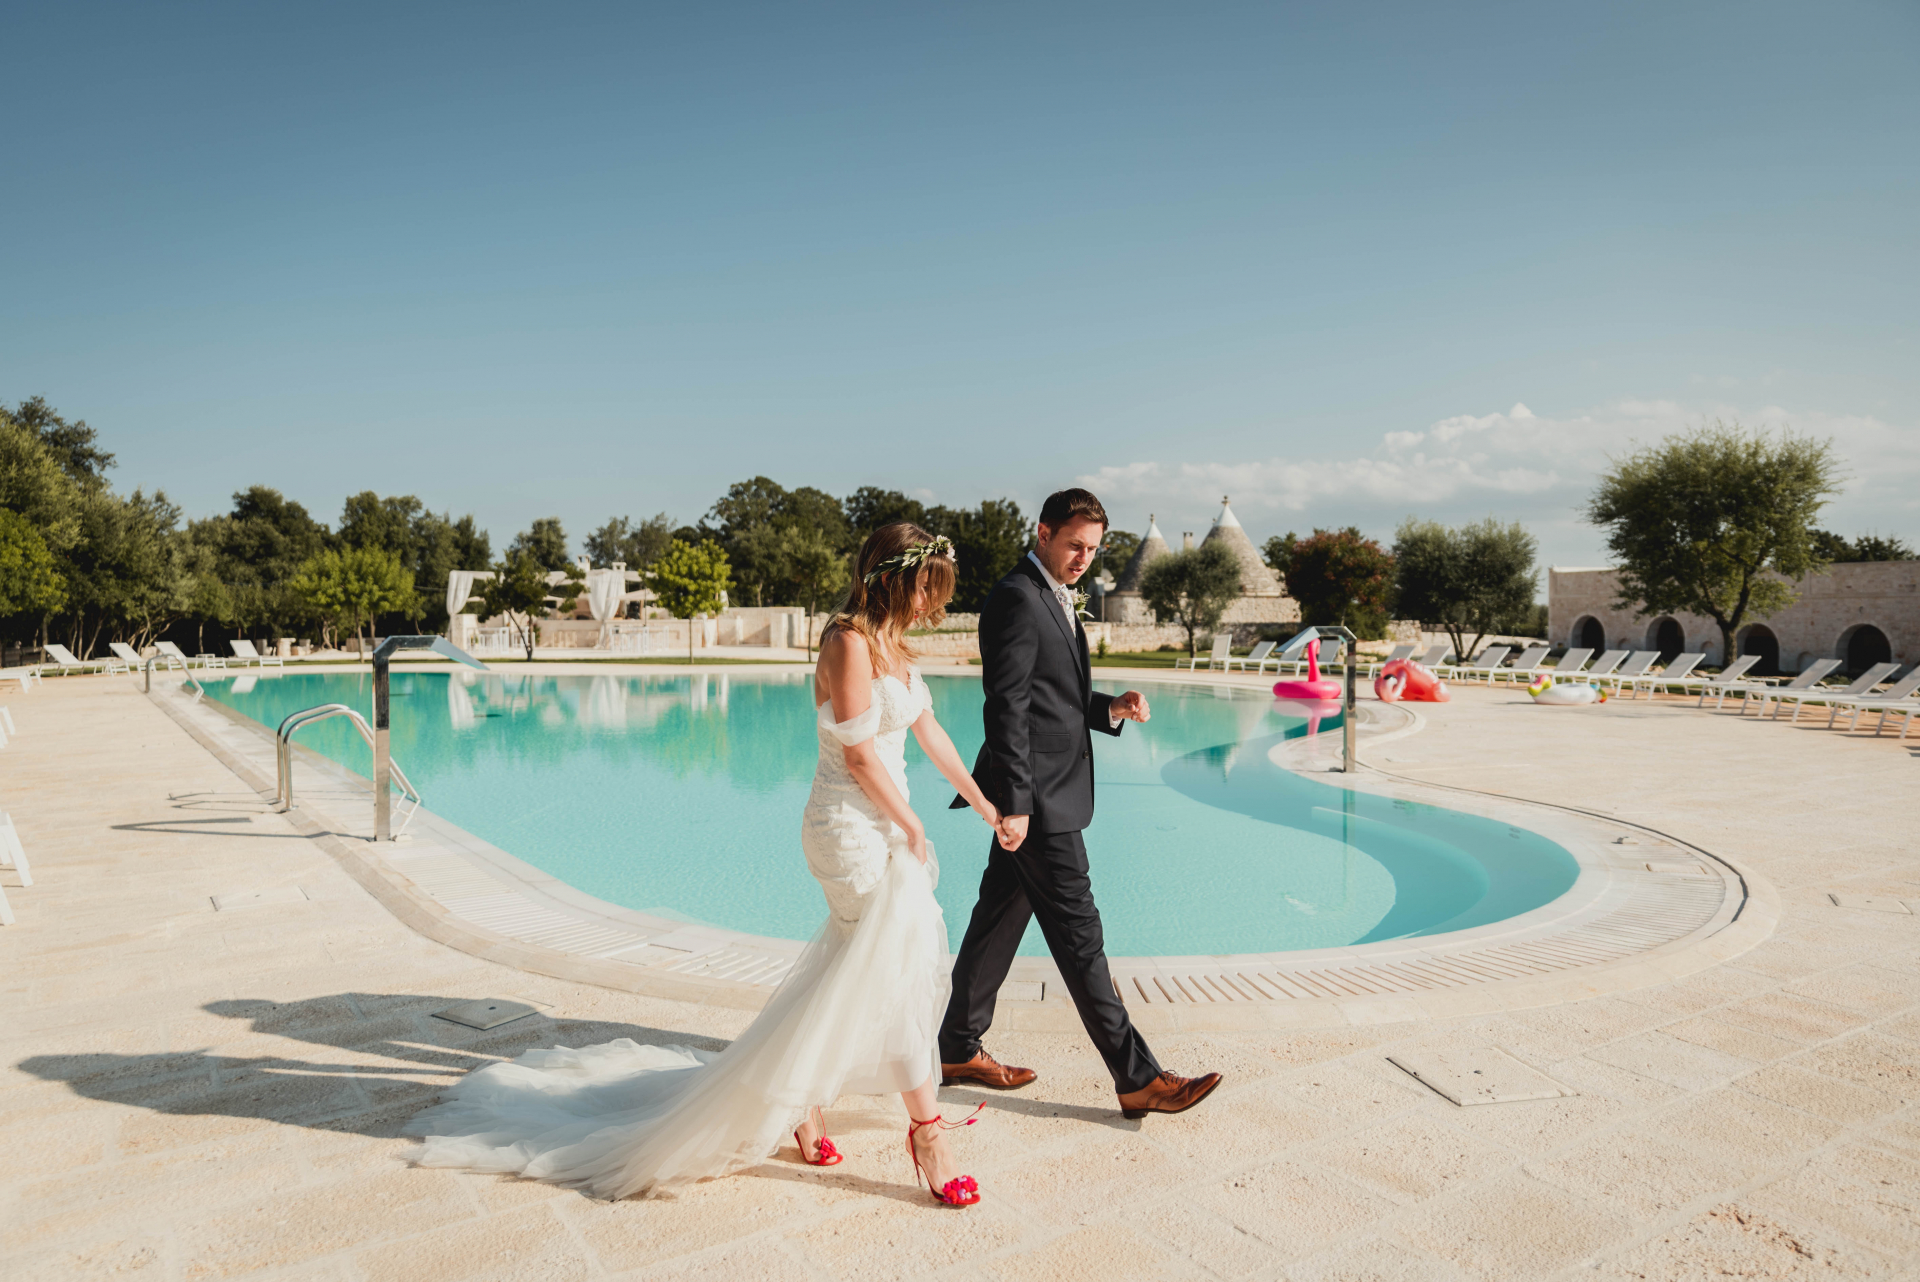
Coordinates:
(1047, 878)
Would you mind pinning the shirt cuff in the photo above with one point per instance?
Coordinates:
(1113, 720)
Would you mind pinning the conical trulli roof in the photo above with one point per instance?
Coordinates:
(1256, 576)
(1151, 549)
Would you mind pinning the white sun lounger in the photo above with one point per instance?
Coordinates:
(1605, 664)
(173, 654)
(1809, 675)
(1569, 664)
(1635, 665)
(65, 663)
(1399, 652)
(127, 655)
(1257, 657)
(1861, 687)
(1895, 698)
(247, 653)
(1727, 677)
(1435, 657)
(1674, 673)
(1490, 659)
(1525, 664)
(1222, 648)
(1293, 655)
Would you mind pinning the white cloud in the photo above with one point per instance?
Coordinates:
(1518, 464)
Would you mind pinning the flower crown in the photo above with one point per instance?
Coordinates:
(939, 545)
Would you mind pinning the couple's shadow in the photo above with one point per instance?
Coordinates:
(390, 1058)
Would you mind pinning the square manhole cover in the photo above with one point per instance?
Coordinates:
(1484, 1075)
(488, 1012)
(1872, 903)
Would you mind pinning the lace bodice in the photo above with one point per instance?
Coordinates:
(896, 706)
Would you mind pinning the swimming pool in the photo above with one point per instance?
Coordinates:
(680, 796)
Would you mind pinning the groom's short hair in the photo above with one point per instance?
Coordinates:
(1063, 505)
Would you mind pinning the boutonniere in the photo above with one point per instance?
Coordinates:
(1079, 600)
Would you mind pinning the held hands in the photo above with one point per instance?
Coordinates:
(1011, 830)
(1131, 706)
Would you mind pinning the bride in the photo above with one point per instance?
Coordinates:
(859, 1011)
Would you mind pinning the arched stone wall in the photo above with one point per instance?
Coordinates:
(1589, 632)
(1861, 646)
(1758, 638)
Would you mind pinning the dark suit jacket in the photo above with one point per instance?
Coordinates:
(1041, 706)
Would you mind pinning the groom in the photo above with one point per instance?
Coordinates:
(1037, 767)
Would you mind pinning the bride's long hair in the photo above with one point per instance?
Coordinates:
(894, 563)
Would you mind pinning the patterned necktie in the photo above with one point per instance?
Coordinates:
(1066, 603)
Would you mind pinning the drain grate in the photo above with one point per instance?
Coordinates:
(1484, 1075)
(488, 1012)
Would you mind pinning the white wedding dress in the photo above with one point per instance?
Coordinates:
(856, 1015)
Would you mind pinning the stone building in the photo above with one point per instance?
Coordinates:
(1262, 599)
(1860, 613)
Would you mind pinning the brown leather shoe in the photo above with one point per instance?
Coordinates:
(1167, 1093)
(984, 1070)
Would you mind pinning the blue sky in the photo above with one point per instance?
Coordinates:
(1344, 262)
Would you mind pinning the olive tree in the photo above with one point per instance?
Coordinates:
(520, 592)
(1476, 578)
(1192, 588)
(349, 587)
(1715, 522)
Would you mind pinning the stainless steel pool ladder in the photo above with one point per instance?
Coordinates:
(283, 753)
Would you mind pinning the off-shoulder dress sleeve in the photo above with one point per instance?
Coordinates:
(853, 730)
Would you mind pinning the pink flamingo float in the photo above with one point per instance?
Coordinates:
(1315, 686)
(1403, 679)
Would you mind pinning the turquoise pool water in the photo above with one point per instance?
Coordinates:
(681, 795)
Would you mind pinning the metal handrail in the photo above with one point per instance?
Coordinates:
(283, 755)
(199, 691)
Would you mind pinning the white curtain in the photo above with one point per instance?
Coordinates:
(459, 588)
(604, 590)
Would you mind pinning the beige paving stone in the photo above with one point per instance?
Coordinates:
(1515, 1227)
(1671, 1060)
(1730, 1039)
(1202, 1237)
(1363, 1089)
(1643, 1175)
(1868, 1195)
(276, 1230)
(1755, 1136)
(1237, 1128)
(1373, 1259)
(1870, 1059)
(1410, 1158)
(1102, 1253)
(115, 1255)
(640, 1233)
(759, 1259)
(1818, 1094)
(906, 1236)
(1294, 1207)
(1867, 989)
(1082, 1182)
(1799, 1019)
(1700, 992)
(1733, 1241)
(528, 1243)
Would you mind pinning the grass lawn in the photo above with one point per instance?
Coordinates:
(1139, 659)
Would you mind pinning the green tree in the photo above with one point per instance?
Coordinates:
(1116, 549)
(636, 546)
(1478, 578)
(349, 587)
(124, 574)
(690, 579)
(257, 548)
(29, 581)
(869, 507)
(71, 444)
(817, 568)
(35, 485)
(520, 592)
(1829, 546)
(987, 541)
(1338, 577)
(428, 545)
(545, 541)
(1192, 588)
(1715, 522)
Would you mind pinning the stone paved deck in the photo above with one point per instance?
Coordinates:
(187, 1093)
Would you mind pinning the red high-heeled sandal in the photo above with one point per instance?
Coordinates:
(957, 1192)
(829, 1155)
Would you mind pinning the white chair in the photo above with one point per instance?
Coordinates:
(1399, 652)
(1490, 659)
(1435, 657)
(1728, 676)
(1570, 663)
(1809, 675)
(1525, 664)
(1222, 648)
(246, 652)
(1257, 657)
(1675, 672)
(1861, 687)
(12, 855)
(172, 653)
(126, 654)
(1895, 698)
(65, 663)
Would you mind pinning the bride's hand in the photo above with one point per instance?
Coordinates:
(917, 844)
(988, 812)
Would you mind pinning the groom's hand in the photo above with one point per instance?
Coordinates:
(1131, 706)
(1012, 830)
